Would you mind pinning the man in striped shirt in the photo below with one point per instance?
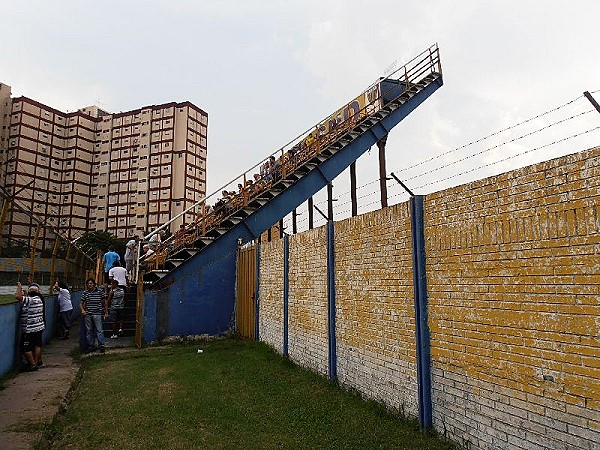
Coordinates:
(32, 325)
(93, 306)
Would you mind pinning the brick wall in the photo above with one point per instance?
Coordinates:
(270, 318)
(513, 277)
(375, 307)
(308, 300)
(513, 280)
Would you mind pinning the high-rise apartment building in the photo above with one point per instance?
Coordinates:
(125, 173)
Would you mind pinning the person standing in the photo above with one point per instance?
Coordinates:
(119, 274)
(65, 307)
(93, 305)
(32, 325)
(156, 239)
(116, 302)
(131, 252)
(108, 260)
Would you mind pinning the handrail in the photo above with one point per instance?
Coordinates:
(304, 147)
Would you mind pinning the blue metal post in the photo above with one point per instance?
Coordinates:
(421, 326)
(331, 301)
(256, 296)
(286, 268)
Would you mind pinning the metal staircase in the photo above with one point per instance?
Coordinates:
(201, 256)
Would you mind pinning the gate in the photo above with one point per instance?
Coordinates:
(246, 289)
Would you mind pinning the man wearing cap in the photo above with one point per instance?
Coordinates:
(32, 324)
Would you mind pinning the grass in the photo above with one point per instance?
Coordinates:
(235, 395)
(7, 298)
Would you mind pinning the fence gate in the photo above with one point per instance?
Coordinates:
(246, 288)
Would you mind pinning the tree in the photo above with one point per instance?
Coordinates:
(95, 241)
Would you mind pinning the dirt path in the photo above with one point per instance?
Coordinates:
(31, 399)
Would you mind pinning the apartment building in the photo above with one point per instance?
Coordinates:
(125, 173)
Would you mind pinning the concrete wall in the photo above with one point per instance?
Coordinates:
(514, 311)
(9, 328)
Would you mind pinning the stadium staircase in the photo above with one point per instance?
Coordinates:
(190, 279)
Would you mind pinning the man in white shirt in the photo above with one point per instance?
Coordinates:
(131, 250)
(119, 274)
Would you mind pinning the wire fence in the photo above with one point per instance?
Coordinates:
(33, 251)
(555, 132)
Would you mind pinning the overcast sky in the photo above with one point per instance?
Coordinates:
(265, 71)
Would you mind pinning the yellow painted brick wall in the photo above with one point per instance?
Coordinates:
(513, 271)
(270, 318)
(513, 274)
(375, 307)
(307, 311)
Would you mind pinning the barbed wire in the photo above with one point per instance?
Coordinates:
(510, 141)
(392, 185)
(508, 157)
(491, 135)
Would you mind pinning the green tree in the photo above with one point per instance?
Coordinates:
(94, 241)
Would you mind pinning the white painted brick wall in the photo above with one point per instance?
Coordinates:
(384, 379)
(493, 417)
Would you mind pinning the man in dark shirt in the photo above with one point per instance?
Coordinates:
(93, 305)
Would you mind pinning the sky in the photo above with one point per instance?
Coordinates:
(266, 71)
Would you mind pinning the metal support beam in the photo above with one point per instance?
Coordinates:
(38, 230)
(310, 213)
(353, 189)
(3, 215)
(53, 263)
(286, 265)
(294, 221)
(256, 295)
(402, 184)
(382, 171)
(321, 212)
(592, 100)
(329, 201)
(332, 360)
(421, 325)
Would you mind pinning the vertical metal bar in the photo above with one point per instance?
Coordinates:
(294, 221)
(310, 213)
(280, 228)
(332, 360)
(286, 269)
(32, 254)
(139, 309)
(382, 172)
(329, 201)
(353, 189)
(3, 216)
(251, 294)
(256, 295)
(421, 313)
(53, 263)
(592, 100)
(66, 268)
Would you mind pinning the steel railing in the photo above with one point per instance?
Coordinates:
(215, 208)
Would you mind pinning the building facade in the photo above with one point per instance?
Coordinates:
(126, 173)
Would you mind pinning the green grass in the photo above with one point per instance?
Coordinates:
(236, 395)
(7, 298)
